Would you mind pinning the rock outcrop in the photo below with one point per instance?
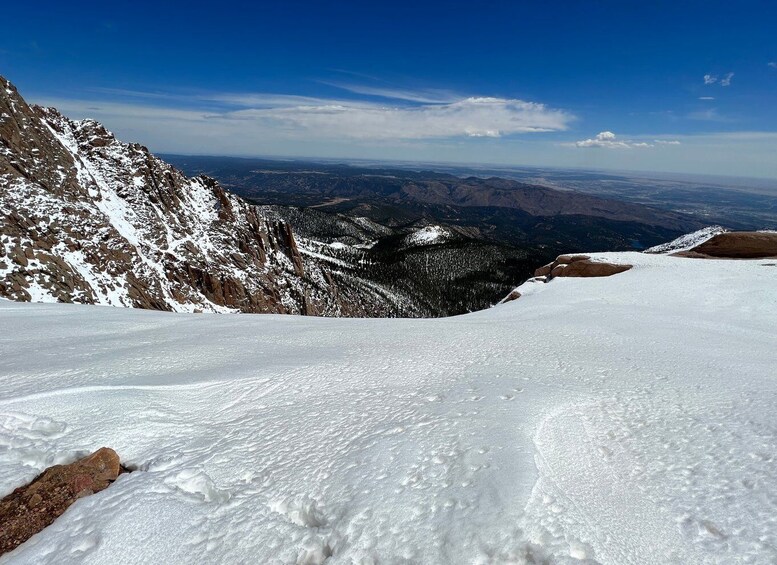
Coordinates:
(29, 509)
(737, 245)
(87, 218)
(570, 266)
(579, 266)
(514, 295)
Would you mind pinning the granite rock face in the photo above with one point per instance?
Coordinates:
(89, 219)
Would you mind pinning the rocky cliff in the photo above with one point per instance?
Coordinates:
(87, 218)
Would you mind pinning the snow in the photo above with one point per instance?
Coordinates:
(625, 419)
(688, 241)
(427, 236)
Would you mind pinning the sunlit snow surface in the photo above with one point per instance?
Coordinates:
(629, 419)
(688, 241)
(427, 236)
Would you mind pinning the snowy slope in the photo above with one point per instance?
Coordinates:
(428, 235)
(618, 420)
(687, 241)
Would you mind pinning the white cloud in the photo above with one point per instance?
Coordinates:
(666, 142)
(723, 81)
(168, 130)
(706, 98)
(772, 64)
(274, 116)
(608, 140)
(469, 117)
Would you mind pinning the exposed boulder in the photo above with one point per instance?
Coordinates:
(29, 509)
(579, 266)
(588, 268)
(556, 270)
(544, 271)
(567, 259)
(737, 245)
(571, 266)
(514, 295)
(560, 261)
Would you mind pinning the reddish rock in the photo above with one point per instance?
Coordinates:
(557, 270)
(544, 271)
(738, 245)
(587, 268)
(29, 509)
(578, 266)
(571, 258)
(514, 295)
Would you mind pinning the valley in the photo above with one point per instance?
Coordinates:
(497, 230)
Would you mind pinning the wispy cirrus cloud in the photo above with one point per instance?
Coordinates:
(725, 80)
(608, 140)
(223, 100)
(421, 96)
(708, 115)
(772, 64)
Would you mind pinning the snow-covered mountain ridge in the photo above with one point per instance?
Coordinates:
(618, 420)
(87, 218)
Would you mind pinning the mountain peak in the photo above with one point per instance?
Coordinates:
(88, 218)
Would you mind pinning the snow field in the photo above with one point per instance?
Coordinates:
(626, 419)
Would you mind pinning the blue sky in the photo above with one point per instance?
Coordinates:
(667, 86)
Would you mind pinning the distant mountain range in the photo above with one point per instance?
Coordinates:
(497, 230)
(405, 194)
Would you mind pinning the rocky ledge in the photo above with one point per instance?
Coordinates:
(578, 266)
(736, 245)
(571, 266)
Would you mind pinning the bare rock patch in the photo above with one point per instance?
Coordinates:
(31, 508)
(579, 266)
(736, 245)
